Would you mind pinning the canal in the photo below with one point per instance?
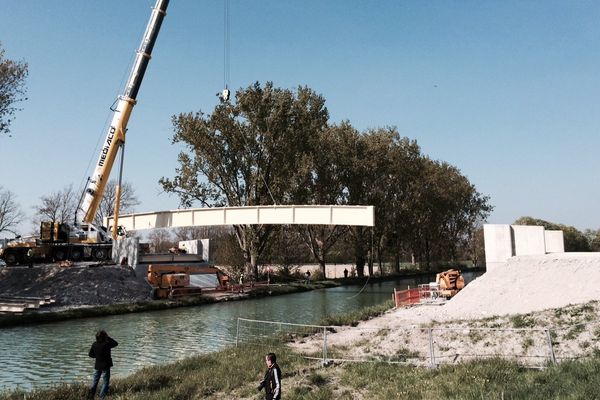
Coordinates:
(45, 354)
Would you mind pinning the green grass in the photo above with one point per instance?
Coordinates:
(353, 318)
(574, 332)
(523, 321)
(492, 379)
(235, 373)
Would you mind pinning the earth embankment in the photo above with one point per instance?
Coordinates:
(87, 284)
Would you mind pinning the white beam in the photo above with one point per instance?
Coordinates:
(256, 215)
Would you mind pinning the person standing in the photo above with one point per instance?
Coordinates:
(272, 380)
(30, 257)
(307, 274)
(101, 351)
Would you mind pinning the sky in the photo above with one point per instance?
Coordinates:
(507, 91)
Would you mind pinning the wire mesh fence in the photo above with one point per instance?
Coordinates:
(433, 346)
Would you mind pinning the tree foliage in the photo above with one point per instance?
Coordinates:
(276, 146)
(10, 212)
(252, 152)
(12, 89)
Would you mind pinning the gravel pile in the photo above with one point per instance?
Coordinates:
(86, 284)
(529, 283)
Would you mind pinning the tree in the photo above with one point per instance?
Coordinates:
(324, 186)
(12, 89)
(595, 241)
(251, 152)
(10, 212)
(574, 239)
(161, 240)
(107, 205)
(401, 199)
(58, 206)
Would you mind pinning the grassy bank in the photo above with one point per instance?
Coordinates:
(235, 372)
(115, 309)
(353, 318)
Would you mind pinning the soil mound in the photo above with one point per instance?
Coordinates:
(79, 285)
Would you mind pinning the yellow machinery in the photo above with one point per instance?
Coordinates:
(449, 282)
(170, 281)
(83, 240)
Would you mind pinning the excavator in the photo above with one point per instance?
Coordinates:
(83, 240)
(449, 283)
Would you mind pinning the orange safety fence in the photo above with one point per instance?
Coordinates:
(405, 297)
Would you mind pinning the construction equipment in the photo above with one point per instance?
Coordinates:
(449, 283)
(169, 281)
(83, 240)
(58, 242)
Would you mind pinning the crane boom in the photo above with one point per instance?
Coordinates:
(115, 137)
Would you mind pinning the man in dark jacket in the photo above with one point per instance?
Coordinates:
(100, 350)
(272, 381)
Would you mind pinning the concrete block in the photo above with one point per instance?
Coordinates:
(555, 242)
(126, 250)
(528, 240)
(498, 243)
(198, 246)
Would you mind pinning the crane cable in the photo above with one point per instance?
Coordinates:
(226, 51)
(227, 76)
(370, 262)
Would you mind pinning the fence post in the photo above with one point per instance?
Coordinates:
(237, 333)
(549, 338)
(324, 345)
(431, 355)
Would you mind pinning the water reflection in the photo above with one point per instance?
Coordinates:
(39, 355)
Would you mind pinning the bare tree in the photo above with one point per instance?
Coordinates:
(12, 89)
(58, 206)
(10, 212)
(107, 205)
(193, 232)
(160, 240)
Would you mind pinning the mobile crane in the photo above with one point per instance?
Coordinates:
(83, 240)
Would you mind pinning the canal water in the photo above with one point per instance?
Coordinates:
(45, 354)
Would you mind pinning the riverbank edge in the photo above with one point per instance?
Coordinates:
(276, 289)
(234, 370)
(38, 317)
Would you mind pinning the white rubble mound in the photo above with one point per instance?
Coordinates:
(529, 283)
(523, 285)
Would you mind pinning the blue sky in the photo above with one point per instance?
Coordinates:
(508, 91)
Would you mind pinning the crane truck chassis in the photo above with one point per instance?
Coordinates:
(57, 242)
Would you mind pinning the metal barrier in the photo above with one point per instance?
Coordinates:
(420, 346)
(405, 297)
